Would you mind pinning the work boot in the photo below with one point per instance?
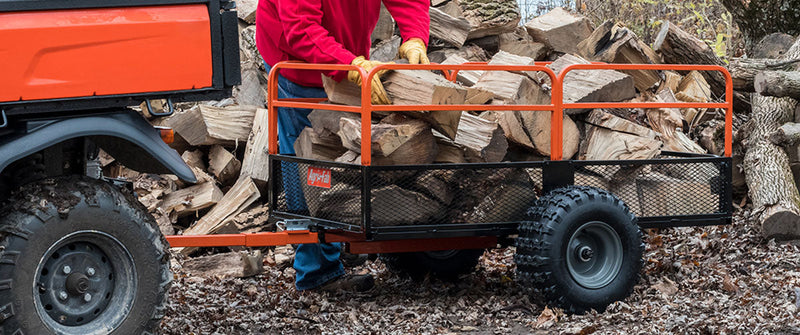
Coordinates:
(348, 282)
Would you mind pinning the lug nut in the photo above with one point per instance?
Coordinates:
(63, 295)
(87, 297)
(67, 269)
(90, 272)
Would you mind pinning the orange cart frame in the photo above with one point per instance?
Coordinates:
(362, 239)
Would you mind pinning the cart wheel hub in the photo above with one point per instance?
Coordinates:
(77, 283)
(585, 253)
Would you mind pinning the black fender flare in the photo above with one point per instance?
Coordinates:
(124, 125)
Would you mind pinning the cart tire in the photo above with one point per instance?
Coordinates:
(78, 256)
(445, 264)
(581, 250)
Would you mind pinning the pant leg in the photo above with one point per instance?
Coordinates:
(314, 264)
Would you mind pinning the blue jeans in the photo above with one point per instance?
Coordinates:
(314, 264)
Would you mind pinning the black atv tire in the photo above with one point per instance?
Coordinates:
(97, 258)
(446, 264)
(582, 249)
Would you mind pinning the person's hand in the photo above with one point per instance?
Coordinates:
(379, 96)
(415, 51)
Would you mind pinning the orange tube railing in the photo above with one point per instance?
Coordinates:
(556, 106)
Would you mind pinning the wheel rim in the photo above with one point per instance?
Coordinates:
(85, 283)
(594, 255)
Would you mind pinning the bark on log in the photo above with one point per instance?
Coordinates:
(778, 84)
(744, 70)
(786, 135)
(452, 30)
(767, 171)
(677, 46)
(613, 43)
(490, 17)
(560, 30)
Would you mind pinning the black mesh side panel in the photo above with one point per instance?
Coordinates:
(666, 188)
(340, 201)
(435, 196)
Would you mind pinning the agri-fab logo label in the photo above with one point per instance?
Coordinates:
(319, 177)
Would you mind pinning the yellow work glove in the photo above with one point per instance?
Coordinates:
(379, 96)
(415, 51)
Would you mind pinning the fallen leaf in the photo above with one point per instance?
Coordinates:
(728, 284)
(546, 319)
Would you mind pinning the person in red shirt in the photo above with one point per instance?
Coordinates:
(329, 32)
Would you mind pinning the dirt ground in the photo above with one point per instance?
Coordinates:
(711, 280)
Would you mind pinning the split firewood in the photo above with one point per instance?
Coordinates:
(384, 29)
(507, 199)
(191, 199)
(343, 204)
(405, 141)
(693, 88)
(608, 121)
(448, 151)
(243, 193)
(778, 84)
(341, 92)
(613, 43)
(560, 30)
(677, 46)
(452, 30)
(239, 264)
(327, 121)
(511, 123)
(490, 17)
(538, 126)
(256, 152)
(687, 197)
(505, 58)
(326, 146)
(605, 144)
(468, 78)
(668, 123)
(512, 88)
(671, 81)
(385, 50)
(591, 85)
(520, 43)
(483, 140)
(208, 125)
(194, 158)
(250, 92)
(451, 7)
(223, 165)
(246, 10)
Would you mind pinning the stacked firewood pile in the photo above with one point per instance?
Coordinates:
(224, 142)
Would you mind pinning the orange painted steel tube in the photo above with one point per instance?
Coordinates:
(727, 105)
(255, 239)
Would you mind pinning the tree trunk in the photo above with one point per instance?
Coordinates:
(759, 18)
(778, 84)
(744, 70)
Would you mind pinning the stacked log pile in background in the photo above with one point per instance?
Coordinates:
(225, 141)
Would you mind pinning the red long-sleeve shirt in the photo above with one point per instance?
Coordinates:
(330, 31)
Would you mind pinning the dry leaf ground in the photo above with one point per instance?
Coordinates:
(711, 280)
